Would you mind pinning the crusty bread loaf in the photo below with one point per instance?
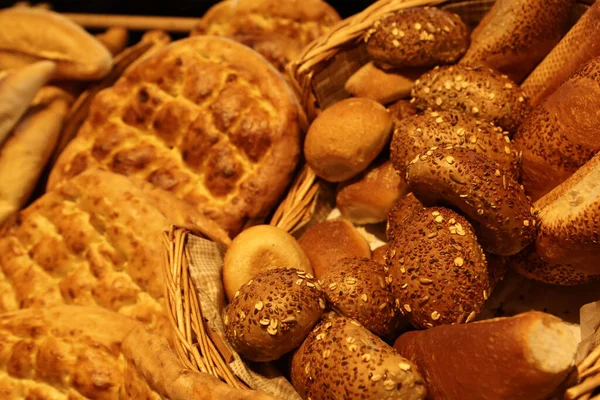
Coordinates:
(398, 215)
(515, 36)
(328, 242)
(417, 37)
(577, 47)
(437, 270)
(562, 133)
(525, 357)
(480, 92)
(258, 249)
(379, 254)
(115, 39)
(368, 198)
(33, 34)
(346, 137)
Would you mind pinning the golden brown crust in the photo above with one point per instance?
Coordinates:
(516, 35)
(379, 254)
(278, 30)
(401, 109)
(437, 270)
(357, 287)
(562, 133)
(492, 201)
(328, 242)
(417, 37)
(115, 39)
(398, 215)
(421, 132)
(273, 313)
(480, 92)
(206, 119)
(368, 198)
(341, 356)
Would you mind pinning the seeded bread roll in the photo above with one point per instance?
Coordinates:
(369, 197)
(417, 37)
(525, 357)
(340, 357)
(492, 201)
(272, 314)
(480, 92)
(328, 242)
(346, 138)
(379, 254)
(403, 210)
(357, 287)
(437, 270)
(258, 249)
(401, 109)
(417, 133)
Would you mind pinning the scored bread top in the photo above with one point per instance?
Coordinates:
(206, 119)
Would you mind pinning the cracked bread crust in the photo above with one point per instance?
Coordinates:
(206, 119)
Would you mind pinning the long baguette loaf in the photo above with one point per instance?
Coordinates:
(525, 357)
(578, 46)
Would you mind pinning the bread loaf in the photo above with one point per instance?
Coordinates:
(563, 133)
(525, 357)
(398, 215)
(368, 198)
(479, 92)
(401, 109)
(33, 34)
(515, 36)
(115, 39)
(346, 137)
(379, 254)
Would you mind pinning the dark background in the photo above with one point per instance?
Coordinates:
(187, 8)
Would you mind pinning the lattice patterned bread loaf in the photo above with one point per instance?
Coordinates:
(207, 119)
(279, 30)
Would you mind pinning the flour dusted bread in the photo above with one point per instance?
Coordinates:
(206, 119)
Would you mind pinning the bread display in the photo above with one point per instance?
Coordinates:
(257, 250)
(368, 198)
(272, 314)
(279, 31)
(401, 109)
(206, 119)
(479, 92)
(437, 270)
(492, 201)
(421, 132)
(525, 357)
(365, 126)
(514, 36)
(33, 34)
(341, 356)
(358, 289)
(417, 37)
(328, 242)
(562, 133)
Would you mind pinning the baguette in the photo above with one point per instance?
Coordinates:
(525, 357)
(32, 34)
(18, 89)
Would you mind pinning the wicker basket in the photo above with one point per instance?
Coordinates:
(319, 76)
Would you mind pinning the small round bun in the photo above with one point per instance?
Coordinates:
(341, 356)
(479, 92)
(379, 254)
(368, 198)
(417, 37)
(346, 138)
(437, 270)
(494, 203)
(421, 132)
(328, 242)
(258, 249)
(272, 314)
(357, 287)
(403, 209)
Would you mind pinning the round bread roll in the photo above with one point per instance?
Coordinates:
(401, 109)
(420, 132)
(368, 198)
(258, 249)
(417, 37)
(328, 242)
(480, 92)
(340, 356)
(494, 203)
(346, 138)
(272, 314)
(357, 287)
(437, 270)
(379, 254)
(403, 209)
